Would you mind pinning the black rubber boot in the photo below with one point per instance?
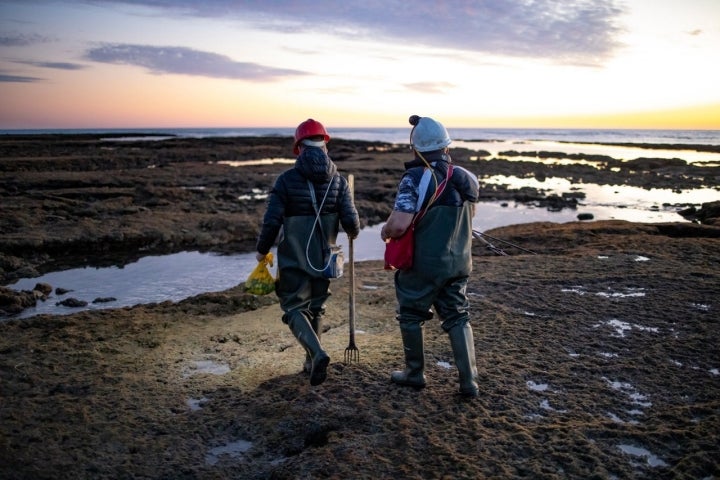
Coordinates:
(316, 323)
(463, 347)
(303, 331)
(413, 375)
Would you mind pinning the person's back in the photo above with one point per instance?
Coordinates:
(442, 258)
(304, 237)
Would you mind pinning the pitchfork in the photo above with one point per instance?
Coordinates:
(351, 352)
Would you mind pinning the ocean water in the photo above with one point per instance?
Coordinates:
(401, 135)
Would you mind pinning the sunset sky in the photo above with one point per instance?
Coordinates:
(371, 63)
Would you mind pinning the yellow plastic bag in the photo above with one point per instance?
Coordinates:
(261, 281)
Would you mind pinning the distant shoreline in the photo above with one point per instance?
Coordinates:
(129, 135)
(648, 138)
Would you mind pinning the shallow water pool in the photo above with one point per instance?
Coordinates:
(178, 276)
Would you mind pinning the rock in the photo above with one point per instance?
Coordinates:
(585, 216)
(13, 301)
(556, 203)
(104, 300)
(709, 213)
(72, 303)
(688, 213)
(44, 288)
(643, 163)
(61, 291)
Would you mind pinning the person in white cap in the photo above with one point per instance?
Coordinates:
(302, 288)
(442, 253)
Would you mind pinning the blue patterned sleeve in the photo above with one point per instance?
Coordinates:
(407, 196)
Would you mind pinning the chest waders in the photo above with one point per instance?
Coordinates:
(303, 302)
(439, 259)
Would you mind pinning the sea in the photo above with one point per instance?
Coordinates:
(178, 276)
(401, 135)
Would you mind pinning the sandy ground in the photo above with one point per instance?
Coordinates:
(598, 359)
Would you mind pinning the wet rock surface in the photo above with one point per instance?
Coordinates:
(75, 200)
(597, 355)
(597, 359)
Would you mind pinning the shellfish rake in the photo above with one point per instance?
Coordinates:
(352, 353)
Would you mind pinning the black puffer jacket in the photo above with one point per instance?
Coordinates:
(290, 197)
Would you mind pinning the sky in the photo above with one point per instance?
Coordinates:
(370, 63)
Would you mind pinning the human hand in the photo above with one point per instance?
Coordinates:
(260, 257)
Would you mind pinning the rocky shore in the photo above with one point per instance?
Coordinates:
(92, 199)
(597, 354)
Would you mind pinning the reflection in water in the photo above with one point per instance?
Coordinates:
(615, 151)
(612, 195)
(261, 161)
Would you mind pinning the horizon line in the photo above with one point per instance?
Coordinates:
(127, 128)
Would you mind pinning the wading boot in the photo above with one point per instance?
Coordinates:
(316, 323)
(463, 347)
(413, 375)
(303, 331)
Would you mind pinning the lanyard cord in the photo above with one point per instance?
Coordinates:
(317, 222)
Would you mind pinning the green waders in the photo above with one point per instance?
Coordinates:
(303, 331)
(412, 338)
(463, 347)
(316, 323)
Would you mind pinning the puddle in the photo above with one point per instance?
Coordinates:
(610, 195)
(154, 279)
(178, 276)
(196, 404)
(621, 327)
(628, 389)
(617, 152)
(260, 161)
(628, 292)
(616, 418)
(701, 306)
(545, 405)
(233, 449)
(652, 460)
(206, 366)
(537, 387)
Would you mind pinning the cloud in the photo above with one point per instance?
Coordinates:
(21, 40)
(579, 30)
(185, 61)
(56, 65)
(430, 87)
(7, 78)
